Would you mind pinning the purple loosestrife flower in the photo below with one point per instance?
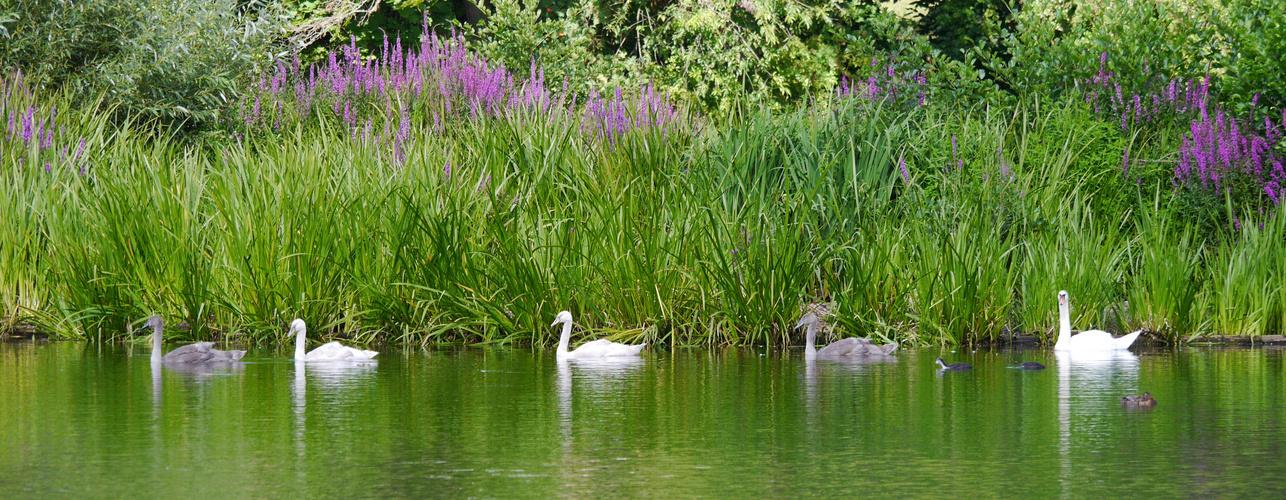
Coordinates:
(347, 81)
(959, 162)
(26, 124)
(40, 134)
(906, 176)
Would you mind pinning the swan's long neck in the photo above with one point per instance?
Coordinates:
(300, 344)
(562, 341)
(810, 344)
(156, 344)
(1064, 325)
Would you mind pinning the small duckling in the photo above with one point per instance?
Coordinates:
(954, 366)
(1144, 400)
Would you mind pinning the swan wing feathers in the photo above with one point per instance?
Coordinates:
(1126, 341)
(335, 351)
(1092, 340)
(845, 347)
(603, 348)
(202, 352)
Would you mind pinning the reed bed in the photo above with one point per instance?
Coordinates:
(916, 223)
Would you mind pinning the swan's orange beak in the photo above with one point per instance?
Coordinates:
(1062, 300)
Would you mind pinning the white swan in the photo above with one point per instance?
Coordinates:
(1091, 340)
(330, 351)
(192, 354)
(601, 348)
(849, 348)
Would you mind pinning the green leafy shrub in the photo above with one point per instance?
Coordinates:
(180, 61)
(956, 27)
(56, 40)
(1256, 30)
(518, 33)
(1058, 45)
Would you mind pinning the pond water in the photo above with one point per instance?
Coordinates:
(91, 420)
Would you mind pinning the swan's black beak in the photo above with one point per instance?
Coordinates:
(797, 325)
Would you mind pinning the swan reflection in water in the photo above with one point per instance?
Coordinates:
(1093, 381)
(333, 382)
(851, 363)
(300, 394)
(198, 372)
(844, 366)
(603, 384)
(600, 379)
(156, 389)
(838, 365)
(340, 378)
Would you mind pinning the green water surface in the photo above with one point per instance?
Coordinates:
(95, 420)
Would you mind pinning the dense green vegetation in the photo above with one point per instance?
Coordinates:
(420, 192)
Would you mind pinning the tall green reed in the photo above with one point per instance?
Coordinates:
(1164, 289)
(1077, 254)
(483, 231)
(1245, 277)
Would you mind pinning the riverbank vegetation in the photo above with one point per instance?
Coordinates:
(422, 191)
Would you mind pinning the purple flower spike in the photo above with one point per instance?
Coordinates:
(390, 88)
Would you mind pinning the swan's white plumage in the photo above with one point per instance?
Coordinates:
(1089, 340)
(334, 351)
(330, 351)
(601, 348)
